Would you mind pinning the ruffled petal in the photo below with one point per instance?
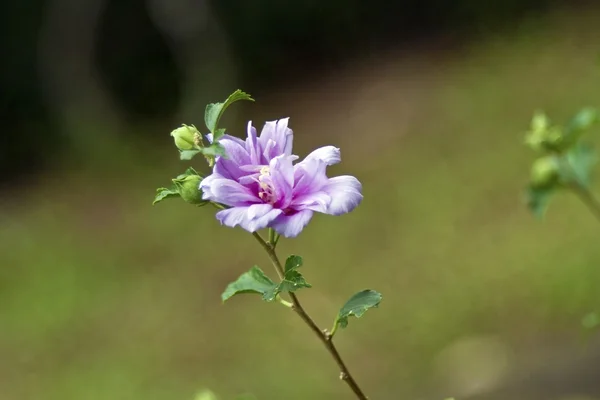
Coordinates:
(282, 177)
(236, 155)
(330, 155)
(276, 139)
(228, 192)
(252, 145)
(251, 218)
(206, 186)
(318, 201)
(345, 192)
(291, 225)
(309, 176)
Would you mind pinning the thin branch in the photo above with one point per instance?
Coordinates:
(325, 337)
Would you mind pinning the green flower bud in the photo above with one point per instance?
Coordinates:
(186, 137)
(205, 395)
(189, 188)
(545, 172)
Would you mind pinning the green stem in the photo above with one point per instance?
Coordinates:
(273, 237)
(587, 198)
(325, 337)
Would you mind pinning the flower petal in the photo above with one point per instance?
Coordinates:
(291, 225)
(318, 201)
(282, 176)
(328, 154)
(281, 136)
(236, 155)
(252, 145)
(206, 186)
(228, 192)
(309, 176)
(251, 218)
(345, 192)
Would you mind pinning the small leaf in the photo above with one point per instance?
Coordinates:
(538, 198)
(164, 193)
(293, 262)
(253, 281)
(218, 134)
(186, 155)
(215, 149)
(582, 121)
(292, 279)
(358, 305)
(214, 111)
(188, 172)
(581, 158)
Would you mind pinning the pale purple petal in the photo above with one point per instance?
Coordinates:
(282, 177)
(345, 192)
(291, 225)
(231, 193)
(252, 145)
(261, 221)
(250, 218)
(276, 139)
(328, 154)
(206, 184)
(318, 202)
(309, 176)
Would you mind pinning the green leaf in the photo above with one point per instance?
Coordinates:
(164, 193)
(292, 263)
(187, 155)
(188, 172)
(215, 149)
(214, 111)
(292, 279)
(253, 281)
(538, 198)
(358, 305)
(218, 134)
(582, 121)
(581, 158)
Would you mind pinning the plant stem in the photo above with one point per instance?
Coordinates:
(325, 337)
(587, 198)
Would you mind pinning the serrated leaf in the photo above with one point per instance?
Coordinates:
(292, 279)
(293, 262)
(214, 111)
(164, 193)
(253, 281)
(357, 305)
(187, 155)
(537, 199)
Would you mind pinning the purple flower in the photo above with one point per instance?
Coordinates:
(264, 188)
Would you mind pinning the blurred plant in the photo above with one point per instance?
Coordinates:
(256, 185)
(564, 162)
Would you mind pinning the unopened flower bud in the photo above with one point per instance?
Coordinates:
(185, 137)
(189, 189)
(545, 172)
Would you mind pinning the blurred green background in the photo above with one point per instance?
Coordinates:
(103, 296)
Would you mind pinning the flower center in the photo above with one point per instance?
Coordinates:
(266, 191)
